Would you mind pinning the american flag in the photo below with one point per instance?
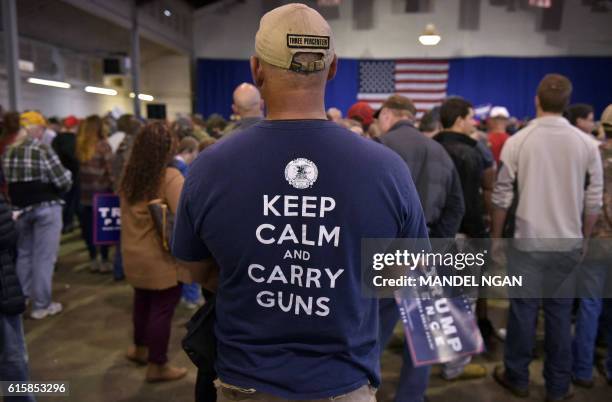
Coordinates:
(422, 81)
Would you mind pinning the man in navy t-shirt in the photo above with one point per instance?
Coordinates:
(282, 207)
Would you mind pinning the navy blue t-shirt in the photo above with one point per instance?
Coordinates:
(282, 207)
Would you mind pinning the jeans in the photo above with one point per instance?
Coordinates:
(118, 273)
(38, 241)
(591, 286)
(541, 269)
(583, 346)
(607, 328)
(153, 311)
(13, 354)
(87, 234)
(230, 393)
(413, 380)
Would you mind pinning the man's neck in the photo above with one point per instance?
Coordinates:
(542, 113)
(296, 105)
(395, 122)
(398, 121)
(252, 115)
(457, 130)
(288, 114)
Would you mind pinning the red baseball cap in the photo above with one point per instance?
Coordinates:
(363, 112)
(70, 121)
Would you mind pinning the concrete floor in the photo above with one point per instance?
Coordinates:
(85, 345)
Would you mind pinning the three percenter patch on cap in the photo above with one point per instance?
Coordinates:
(307, 41)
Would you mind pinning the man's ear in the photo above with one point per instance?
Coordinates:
(536, 101)
(333, 69)
(256, 72)
(234, 109)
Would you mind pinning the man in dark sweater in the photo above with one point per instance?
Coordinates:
(441, 197)
(13, 360)
(457, 118)
(64, 145)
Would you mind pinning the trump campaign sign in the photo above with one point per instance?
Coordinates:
(438, 329)
(106, 219)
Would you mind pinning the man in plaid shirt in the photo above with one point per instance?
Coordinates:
(36, 179)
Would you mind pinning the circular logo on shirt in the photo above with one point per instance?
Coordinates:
(301, 173)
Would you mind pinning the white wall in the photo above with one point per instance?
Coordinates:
(165, 63)
(394, 33)
(62, 102)
(168, 80)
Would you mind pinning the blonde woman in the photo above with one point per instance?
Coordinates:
(94, 155)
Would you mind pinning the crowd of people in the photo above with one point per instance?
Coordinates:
(383, 173)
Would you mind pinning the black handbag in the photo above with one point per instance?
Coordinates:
(200, 343)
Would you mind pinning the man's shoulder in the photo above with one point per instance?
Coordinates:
(590, 142)
(34, 145)
(457, 145)
(455, 139)
(520, 136)
(402, 133)
(411, 138)
(379, 150)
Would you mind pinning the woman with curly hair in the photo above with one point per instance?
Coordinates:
(149, 268)
(95, 156)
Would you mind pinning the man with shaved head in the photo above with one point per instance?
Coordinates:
(248, 105)
(334, 114)
(285, 220)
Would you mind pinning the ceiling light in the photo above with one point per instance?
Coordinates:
(144, 97)
(50, 83)
(101, 91)
(430, 36)
(167, 13)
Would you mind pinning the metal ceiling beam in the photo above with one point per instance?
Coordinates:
(11, 55)
(135, 62)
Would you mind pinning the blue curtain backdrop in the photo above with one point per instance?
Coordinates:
(507, 81)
